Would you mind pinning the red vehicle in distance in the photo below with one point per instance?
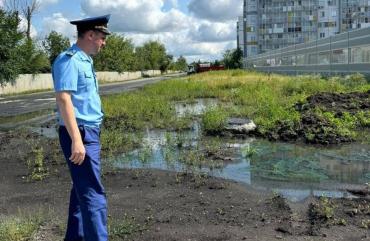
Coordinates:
(203, 67)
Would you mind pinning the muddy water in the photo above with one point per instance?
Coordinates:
(195, 108)
(296, 171)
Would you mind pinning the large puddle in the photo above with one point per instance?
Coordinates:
(196, 107)
(295, 171)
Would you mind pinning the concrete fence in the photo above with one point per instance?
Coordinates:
(28, 82)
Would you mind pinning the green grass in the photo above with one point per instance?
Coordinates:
(18, 229)
(363, 118)
(25, 224)
(347, 124)
(115, 141)
(214, 120)
(134, 111)
(122, 229)
(23, 227)
(265, 98)
(36, 164)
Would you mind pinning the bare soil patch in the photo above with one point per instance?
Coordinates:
(160, 205)
(316, 129)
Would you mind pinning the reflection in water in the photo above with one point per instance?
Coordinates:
(347, 164)
(47, 132)
(296, 171)
(196, 108)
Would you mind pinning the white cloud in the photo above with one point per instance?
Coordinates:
(23, 27)
(144, 20)
(1, 3)
(140, 16)
(216, 10)
(193, 43)
(214, 32)
(57, 22)
(180, 44)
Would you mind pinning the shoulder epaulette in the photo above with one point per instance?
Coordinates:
(71, 52)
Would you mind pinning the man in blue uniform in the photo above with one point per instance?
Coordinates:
(80, 116)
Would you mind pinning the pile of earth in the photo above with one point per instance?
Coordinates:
(316, 129)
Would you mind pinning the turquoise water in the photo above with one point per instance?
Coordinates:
(296, 171)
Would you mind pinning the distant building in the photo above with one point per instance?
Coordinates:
(272, 24)
(240, 35)
(354, 14)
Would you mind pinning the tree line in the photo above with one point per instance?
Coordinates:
(20, 54)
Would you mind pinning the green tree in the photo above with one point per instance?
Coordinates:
(165, 63)
(54, 44)
(237, 58)
(233, 59)
(227, 59)
(217, 63)
(10, 38)
(152, 55)
(32, 59)
(118, 55)
(28, 8)
(181, 64)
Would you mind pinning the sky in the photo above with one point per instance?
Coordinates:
(195, 29)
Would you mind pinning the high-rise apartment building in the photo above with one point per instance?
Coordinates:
(354, 14)
(273, 24)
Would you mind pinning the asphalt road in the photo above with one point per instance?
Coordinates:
(20, 104)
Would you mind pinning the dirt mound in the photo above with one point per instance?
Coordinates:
(320, 115)
(324, 213)
(337, 102)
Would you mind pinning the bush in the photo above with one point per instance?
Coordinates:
(214, 120)
(10, 38)
(354, 80)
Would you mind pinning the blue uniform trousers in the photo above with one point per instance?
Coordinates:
(87, 218)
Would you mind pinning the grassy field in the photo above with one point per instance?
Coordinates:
(265, 98)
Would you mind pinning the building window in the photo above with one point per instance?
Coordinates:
(322, 14)
(322, 35)
(254, 50)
